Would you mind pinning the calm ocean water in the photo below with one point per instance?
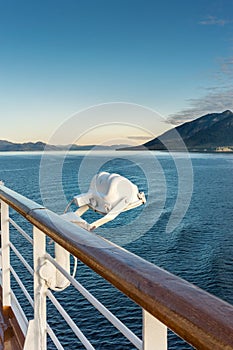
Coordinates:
(199, 249)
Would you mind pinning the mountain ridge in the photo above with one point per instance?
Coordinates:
(212, 132)
(8, 146)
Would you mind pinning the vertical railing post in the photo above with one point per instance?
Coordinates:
(40, 289)
(5, 242)
(154, 333)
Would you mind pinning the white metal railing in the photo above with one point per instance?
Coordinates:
(39, 286)
(36, 329)
(167, 301)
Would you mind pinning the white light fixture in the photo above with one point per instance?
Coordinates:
(109, 195)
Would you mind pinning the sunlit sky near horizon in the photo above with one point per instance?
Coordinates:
(61, 57)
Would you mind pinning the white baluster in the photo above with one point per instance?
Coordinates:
(40, 289)
(6, 285)
(154, 333)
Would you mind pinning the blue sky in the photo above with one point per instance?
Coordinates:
(59, 57)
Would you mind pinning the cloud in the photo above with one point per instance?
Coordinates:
(216, 100)
(213, 20)
(138, 137)
(227, 67)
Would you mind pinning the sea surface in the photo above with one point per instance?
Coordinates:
(186, 227)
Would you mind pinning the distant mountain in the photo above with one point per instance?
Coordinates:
(211, 132)
(7, 146)
(28, 146)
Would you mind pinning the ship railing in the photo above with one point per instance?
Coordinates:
(167, 301)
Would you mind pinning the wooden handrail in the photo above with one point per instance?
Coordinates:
(203, 320)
